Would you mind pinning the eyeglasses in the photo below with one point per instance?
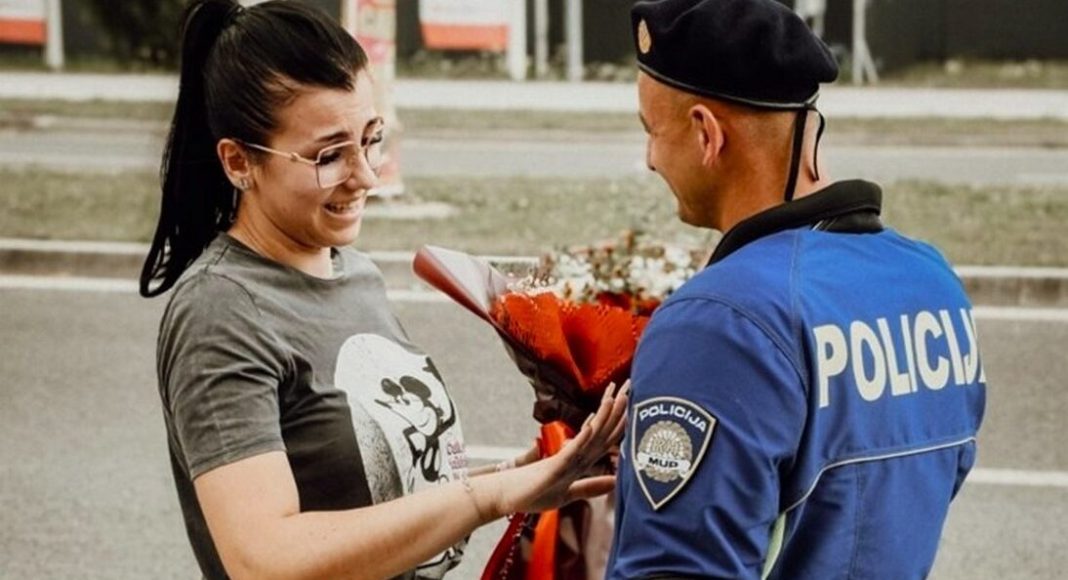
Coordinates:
(335, 164)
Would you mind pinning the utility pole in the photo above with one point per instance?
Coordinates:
(517, 39)
(54, 41)
(374, 25)
(574, 40)
(863, 65)
(541, 38)
(812, 12)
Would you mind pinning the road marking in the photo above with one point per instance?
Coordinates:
(125, 286)
(491, 453)
(405, 257)
(69, 284)
(1019, 314)
(134, 248)
(1043, 178)
(979, 475)
(73, 246)
(417, 296)
(985, 476)
(1019, 477)
(122, 285)
(1010, 272)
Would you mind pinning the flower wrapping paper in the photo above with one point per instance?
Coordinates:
(572, 328)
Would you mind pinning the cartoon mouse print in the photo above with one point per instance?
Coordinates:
(411, 400)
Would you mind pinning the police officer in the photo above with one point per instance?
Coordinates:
(807, 405)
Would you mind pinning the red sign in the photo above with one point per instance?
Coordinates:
(23, 22)
(464, 24)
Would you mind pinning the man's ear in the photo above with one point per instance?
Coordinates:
(709, 132)
(235, 162)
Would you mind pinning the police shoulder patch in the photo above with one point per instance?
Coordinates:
(670, 438)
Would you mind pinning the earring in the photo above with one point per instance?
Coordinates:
(242, 183)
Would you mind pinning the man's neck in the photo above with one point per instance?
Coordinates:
(763, 187)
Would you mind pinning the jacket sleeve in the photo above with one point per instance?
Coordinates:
(716, 416)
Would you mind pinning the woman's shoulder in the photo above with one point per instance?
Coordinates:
(206, 298)
(210, 285)
(217, 274)
(213, 288)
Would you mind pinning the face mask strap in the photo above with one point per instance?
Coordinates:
(795, 156)
(799, 140)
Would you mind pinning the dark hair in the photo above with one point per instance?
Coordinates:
(238, 66)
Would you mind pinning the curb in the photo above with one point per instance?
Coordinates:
(987, 285)
(837, 100)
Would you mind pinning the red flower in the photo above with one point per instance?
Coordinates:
(592, 344)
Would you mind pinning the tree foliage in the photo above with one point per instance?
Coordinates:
(140, 33)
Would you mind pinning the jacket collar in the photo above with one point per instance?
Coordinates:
(846, 206)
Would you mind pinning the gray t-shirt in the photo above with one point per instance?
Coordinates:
(254, 356)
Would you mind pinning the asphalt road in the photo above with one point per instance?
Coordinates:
(86, 490)
(596, 157)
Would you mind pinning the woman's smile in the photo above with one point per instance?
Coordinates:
(345, 209)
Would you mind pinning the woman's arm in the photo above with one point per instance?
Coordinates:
(253, 511)
(529, 456)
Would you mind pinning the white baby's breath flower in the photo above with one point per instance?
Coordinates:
(634, 267)
(677, 257)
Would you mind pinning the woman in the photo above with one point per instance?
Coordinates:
(308, 436)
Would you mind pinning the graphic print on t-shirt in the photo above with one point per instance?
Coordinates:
(405, 398)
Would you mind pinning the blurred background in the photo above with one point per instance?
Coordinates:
(1012, 42)
(513, 131)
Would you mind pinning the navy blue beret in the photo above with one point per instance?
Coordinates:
(755, 52)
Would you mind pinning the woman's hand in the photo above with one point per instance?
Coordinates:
(555, 481)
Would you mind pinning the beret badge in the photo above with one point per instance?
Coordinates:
(645, 40)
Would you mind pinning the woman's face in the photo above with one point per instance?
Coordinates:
(287, 193)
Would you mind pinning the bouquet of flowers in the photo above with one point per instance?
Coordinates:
(572, 327)
(578, 316)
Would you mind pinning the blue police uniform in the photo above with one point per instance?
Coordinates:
(805, 407)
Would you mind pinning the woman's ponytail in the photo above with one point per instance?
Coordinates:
(198, 199)
(239, 66)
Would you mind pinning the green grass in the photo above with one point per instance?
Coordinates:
(1021, 226)
(972, 225)
(37, 203)
(961, 73)
(13, 110)
(953, 73)
(18, 113)
(528, 215)
(1048, 133)
(1052, 133)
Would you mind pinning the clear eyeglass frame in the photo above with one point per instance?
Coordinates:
(331, 171)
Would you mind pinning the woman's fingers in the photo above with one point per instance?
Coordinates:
(615, 408)
(598, 435)
(617, 433)
(575, 447)
(532, 455)
(597, 420)
(619, 406)
(591, 487)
